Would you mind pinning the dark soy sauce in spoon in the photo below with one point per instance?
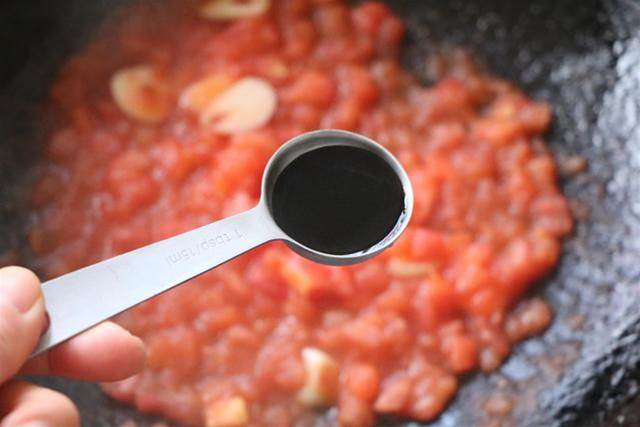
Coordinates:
(338, 199)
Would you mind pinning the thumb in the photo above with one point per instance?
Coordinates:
(22, 318)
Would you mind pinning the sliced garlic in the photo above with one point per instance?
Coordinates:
(246, 105)
(140, 93)
(227, 10)
(402, 268)
(321, 380)
(199, 94)
(232, 412)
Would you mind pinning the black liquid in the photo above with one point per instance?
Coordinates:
(338, 199)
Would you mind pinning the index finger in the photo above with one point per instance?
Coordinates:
(106, 352)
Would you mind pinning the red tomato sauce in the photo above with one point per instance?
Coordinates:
(394, 334)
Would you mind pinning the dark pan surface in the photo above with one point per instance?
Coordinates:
(581, 56)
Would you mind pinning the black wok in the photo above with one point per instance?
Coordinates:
(581, 56)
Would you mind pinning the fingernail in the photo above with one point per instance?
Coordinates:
(18, 289)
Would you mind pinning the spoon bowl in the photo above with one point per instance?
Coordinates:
(310, 141)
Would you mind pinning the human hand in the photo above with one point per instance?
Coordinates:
(104, 353)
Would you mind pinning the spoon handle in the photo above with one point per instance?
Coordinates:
(83, 298)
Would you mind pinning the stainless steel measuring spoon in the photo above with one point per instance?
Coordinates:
(83, 298)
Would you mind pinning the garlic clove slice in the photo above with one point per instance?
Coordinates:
(199, 94)
(321, 381)
(141, 93)
(247, 105)
(231, 412)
